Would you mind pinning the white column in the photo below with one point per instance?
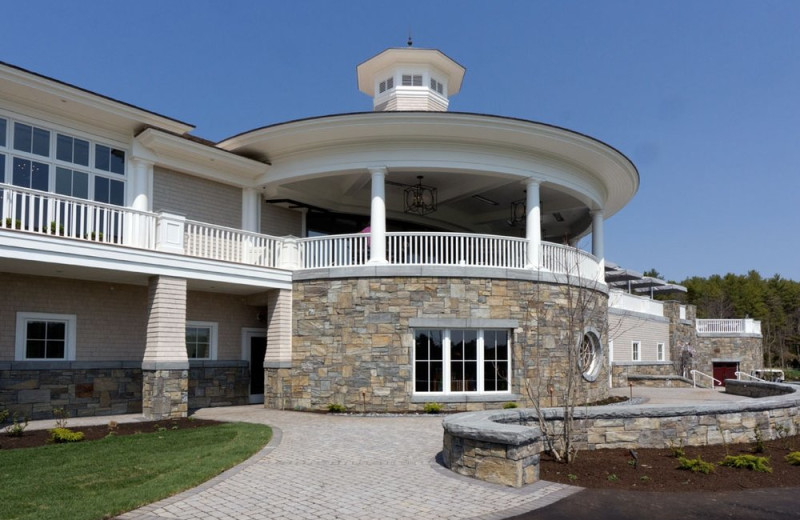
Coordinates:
(597, 234)
(377, 224)
(137, 230)
(533, 224)
(140, 185)
(251, 210)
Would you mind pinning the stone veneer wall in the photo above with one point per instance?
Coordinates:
(744, 348)
(82, 388)
(165, 393)
(352, 339)
(218, 383)
(681, 332)
(621, 370)
(500, 446)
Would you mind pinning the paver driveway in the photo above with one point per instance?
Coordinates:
(322, 466)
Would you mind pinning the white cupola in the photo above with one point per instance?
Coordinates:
(409, 78)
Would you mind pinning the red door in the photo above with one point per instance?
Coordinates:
(725, 370)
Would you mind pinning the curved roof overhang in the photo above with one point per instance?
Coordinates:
(462, 154)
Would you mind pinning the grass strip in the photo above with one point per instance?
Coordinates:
(104, 478)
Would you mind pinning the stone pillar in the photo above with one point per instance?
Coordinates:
(165, 367)
(251, 210)
(377, 238)
(533, 224)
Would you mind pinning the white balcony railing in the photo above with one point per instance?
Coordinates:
(59, 215)
(231, 245)
(51, 214)
(628, 302)
(746, 326)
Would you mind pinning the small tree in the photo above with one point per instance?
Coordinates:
(584, 317)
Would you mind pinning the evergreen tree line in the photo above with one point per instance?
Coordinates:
(774, 301)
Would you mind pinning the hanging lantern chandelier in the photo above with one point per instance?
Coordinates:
(419, 198)
(518, 212)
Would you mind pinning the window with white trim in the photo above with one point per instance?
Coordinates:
(636, 349)
(412, 80)
(437, 86)
(45, 337)
(660, 352)
(387, 84)
(201, 340)
(47, 159)
(461, 361)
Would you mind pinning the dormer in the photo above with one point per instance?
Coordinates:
(410, 79)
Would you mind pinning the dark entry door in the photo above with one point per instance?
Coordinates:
(725, 370)
(258, 347)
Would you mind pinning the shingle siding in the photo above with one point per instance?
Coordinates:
(625, 328)
(197, 199)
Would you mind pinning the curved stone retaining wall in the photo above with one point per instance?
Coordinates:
(353, 338)
(504, 446)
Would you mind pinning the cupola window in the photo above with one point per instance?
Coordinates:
(412, 80)
(388, 84)
(436, 86)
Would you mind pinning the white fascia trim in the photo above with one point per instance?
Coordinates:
(36, 248)
(201, 160)
(40, 84)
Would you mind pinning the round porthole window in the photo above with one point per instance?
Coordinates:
(589, 356)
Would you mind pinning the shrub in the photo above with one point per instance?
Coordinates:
(750, 462)
(697, 465)
(613, 477)
(61, 435)
(510, 405)
(16, 223)
(432, 408)
(793, 458)
(17, 427)
(677, 449)
(61, 416)
(336, 408)
(3, 416)
(759, 447)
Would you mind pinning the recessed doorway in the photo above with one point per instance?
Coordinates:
(254, 347)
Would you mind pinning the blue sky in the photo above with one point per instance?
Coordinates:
(701, 95)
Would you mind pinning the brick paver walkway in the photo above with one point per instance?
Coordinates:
(321, 466)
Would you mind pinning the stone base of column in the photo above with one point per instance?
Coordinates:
(165, 394)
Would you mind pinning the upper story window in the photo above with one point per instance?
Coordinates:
(436, 86)
(49, 160)
(412, 80)
(385, 85)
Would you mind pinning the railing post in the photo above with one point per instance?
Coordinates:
(290, 254)
(170, 232)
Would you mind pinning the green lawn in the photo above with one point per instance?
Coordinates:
(100, 479)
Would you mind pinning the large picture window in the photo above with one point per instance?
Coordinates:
(45, 337)
(48, 160)
(461, 360)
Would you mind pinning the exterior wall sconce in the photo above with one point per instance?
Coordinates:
(419, 198)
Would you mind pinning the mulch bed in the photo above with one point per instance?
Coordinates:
(657, 469)
(33, 438)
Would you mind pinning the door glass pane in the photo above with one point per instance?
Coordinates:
(116, 193)
(101, 154)
(21, 175)
(40, 176)
(101, 189)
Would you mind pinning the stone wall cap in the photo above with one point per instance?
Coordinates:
(491, 426)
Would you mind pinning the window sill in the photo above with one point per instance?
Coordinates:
(465, 398)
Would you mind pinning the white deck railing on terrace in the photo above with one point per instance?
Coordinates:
(59, 215)
(231, 245)
(445, 249)
(745, 326)
(623, 301)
